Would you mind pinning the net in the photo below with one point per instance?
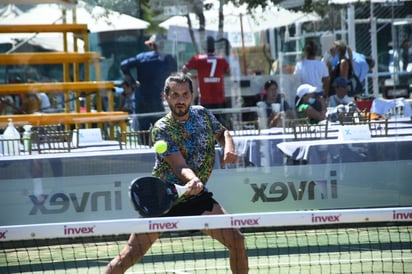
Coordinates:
(338, 241)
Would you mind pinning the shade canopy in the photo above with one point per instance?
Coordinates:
(344, 2)
(9, 12)
(97, 18)
(34, 2)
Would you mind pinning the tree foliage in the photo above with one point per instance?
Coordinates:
(142, 8)
(131, 7)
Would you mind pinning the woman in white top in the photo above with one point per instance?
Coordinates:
(311, 70)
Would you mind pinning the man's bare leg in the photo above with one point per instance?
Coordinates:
(233, 240)
(137, 246)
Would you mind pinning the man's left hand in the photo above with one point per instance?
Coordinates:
(229, 157)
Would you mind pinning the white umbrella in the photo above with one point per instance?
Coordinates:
(9, 12)
(343, 2)
(6, 40)
(97, 18)
(36, 1)
(50, 41)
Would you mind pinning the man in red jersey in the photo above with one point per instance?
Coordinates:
(211, 70)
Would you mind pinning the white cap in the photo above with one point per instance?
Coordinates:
(303, 90)
(155, 39)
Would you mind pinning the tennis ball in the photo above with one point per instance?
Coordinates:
(160, 146)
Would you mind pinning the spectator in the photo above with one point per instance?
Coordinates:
(341, 93)
(312, 71)
(315, 73)
(44, 101)
(18, 98)
(127, 98)
(127, 103)
(152, 69)
(305, 97)
(355, 71)
(31, 104)
(7, 105)
(271, 96)
(211, 71)
(406, 54)
(43, 97)
(362, 64)
(344, 67)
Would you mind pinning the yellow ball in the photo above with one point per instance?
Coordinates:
(160, 146)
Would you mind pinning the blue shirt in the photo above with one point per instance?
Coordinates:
(152, 69)
(360, 66)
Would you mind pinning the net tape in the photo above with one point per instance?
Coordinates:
(249, 220)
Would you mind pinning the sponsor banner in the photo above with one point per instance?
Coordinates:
(239, 190)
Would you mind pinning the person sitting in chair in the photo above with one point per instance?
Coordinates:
(305, 97)
(272, 96)
(340, 97)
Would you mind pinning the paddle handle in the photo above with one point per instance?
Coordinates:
(181, 190)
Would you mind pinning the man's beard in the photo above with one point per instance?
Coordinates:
(179, 111)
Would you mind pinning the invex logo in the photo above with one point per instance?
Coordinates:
(61, 202)
(240, 222)
(162, 225)
(3, 235)
(311, 190)
(402, 215)
(325, 218)
(81, 230)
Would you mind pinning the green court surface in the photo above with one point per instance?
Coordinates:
(382, 249)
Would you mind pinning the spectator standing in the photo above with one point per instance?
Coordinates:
(152, 69)
(211, 70)
(406, 54)
(311, 70)
(362, 64)
(315, 73)
(344, 66)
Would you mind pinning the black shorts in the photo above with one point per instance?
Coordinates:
(193, 207)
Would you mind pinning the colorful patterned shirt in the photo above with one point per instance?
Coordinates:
(194, 138)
